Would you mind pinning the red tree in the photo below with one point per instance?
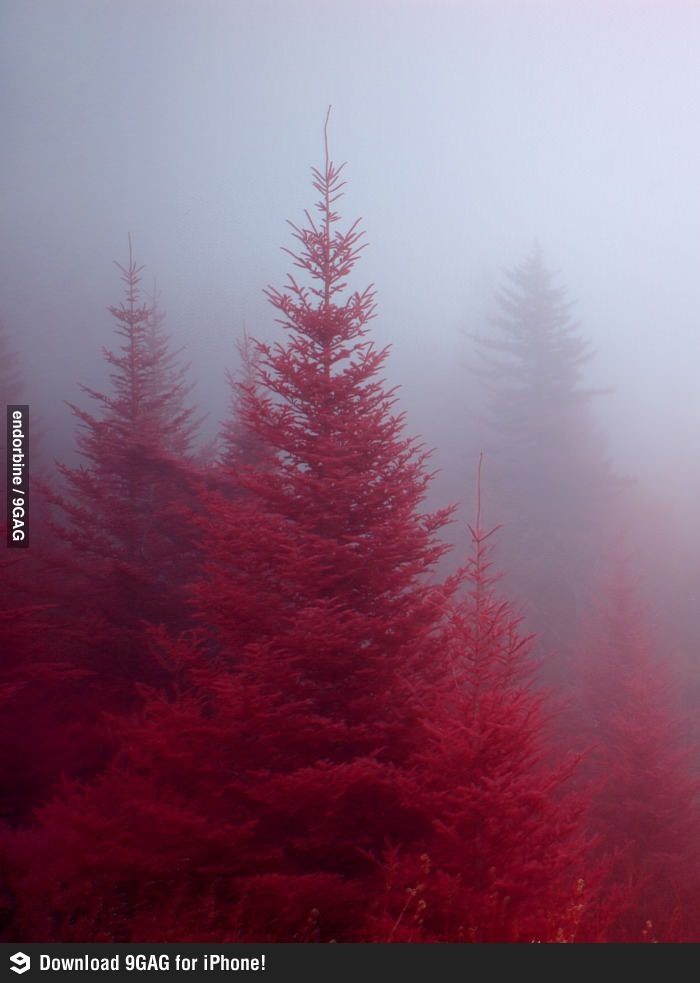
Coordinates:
(643, 769)
(315, 585)
(125, 550)
(260, 797)
(127, 510)
(37, 736)
(326, 554)
(505, 859)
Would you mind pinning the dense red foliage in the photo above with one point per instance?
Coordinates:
(505, 861)
(301, 699)
(38, 680)
(256, 712)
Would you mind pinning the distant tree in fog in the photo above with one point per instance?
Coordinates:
(549, 480)
(240, 447)
(126, 510)
(643, 767)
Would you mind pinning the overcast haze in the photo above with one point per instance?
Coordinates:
(471, 129)
(243, 697)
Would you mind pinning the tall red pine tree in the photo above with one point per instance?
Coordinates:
(261, 798)
(326, 556)
(316, 585)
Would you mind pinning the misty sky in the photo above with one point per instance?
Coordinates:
(471, 129)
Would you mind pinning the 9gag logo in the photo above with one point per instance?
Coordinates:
(20, 962)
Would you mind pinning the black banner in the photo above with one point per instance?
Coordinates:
(309, 962)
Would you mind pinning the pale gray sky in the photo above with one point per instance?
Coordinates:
(471, 128)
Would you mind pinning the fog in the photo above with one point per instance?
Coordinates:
(471, 129)
(244, 697)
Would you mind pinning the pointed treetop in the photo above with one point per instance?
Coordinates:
(326, 256)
